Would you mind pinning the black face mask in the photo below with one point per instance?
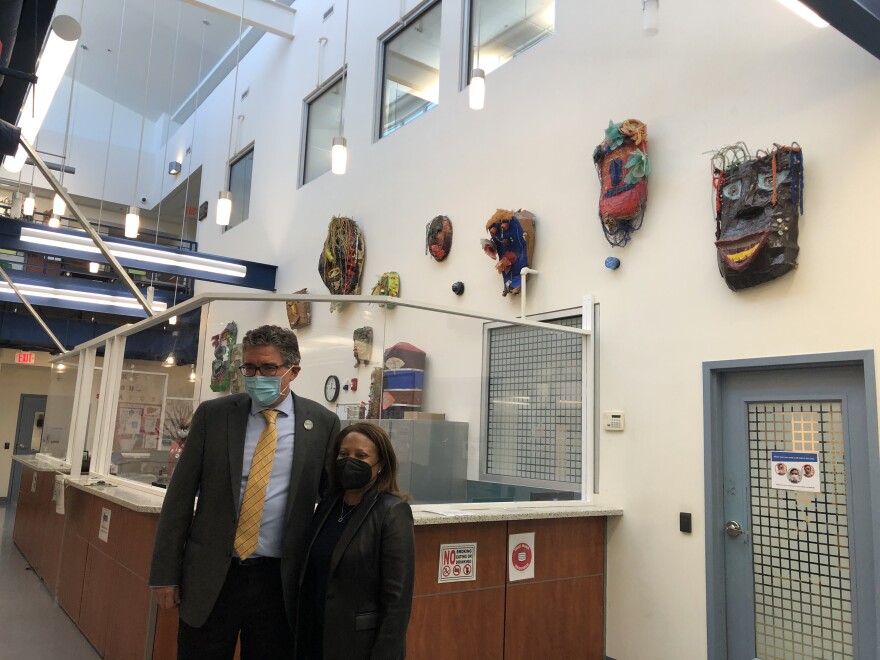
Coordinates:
(353, 473)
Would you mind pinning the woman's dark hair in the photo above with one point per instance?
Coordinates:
(386, 482)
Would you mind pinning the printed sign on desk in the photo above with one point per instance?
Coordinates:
(521, 556)
(796, 470)
(58, 494)
(104, 529)
(458, 562)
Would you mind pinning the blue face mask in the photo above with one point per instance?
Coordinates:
(264, 390)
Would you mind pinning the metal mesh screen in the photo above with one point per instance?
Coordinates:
(800, 539)
(534, 403)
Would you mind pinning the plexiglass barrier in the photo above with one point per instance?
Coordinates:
(478, 409)
(59, 408)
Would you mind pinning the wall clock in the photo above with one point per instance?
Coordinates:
(331, 389)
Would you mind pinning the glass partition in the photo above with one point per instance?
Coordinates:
(478, 409)
(59, 408)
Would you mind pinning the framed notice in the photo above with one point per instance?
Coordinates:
(458, 562)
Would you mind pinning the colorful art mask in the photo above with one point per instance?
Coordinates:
(341, 263)
(299, 313)
(623, 167)
(222, 344)
(512, 242)
(757, 203)
(438, 237)
(388, 285)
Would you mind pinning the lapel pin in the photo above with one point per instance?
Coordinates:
(308, 424)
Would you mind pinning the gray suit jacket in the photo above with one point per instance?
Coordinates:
(193, 549)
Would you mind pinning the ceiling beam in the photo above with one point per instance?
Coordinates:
(857, 19)
(272, 17)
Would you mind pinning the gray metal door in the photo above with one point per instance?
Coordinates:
(797, 531)
(28, 432)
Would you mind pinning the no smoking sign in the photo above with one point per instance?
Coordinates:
(458, 562)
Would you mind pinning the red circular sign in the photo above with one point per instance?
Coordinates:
(521, 557)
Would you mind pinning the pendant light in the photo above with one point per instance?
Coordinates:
(224, 199)
(132, 222)
(170, 361)
(29, 206)
(94, 267)
(59, 208)
(477, 86)
(339, 149)
(192, 374)
(650, 17)
(54, 221)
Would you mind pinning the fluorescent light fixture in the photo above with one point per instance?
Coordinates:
(132, 222)
(805, 13)
(94, 266)
(47, 292)
(224, 208)
(59, 206)
(650, 17)
(174, 167)
(339, 156)
(134, 252)
(59, 48)
(30, 205)
(54, 221)
(477, 89)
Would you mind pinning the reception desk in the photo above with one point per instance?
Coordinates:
(100, 549)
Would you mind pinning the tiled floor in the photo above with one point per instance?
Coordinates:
(32, 625)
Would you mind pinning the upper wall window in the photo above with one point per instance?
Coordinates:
(505, 28)
(321, 126)
(410, 70)
(240, 174)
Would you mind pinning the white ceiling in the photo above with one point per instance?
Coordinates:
(148, 55)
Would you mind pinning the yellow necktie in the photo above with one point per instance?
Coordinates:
(248, 531)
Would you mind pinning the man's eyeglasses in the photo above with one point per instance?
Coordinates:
(263, 370)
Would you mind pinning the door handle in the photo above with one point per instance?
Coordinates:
(733, 529)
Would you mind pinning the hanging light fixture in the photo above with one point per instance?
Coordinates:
(339, 149)
(59, 207)
(94, 266)
(132, 222)
(192, 374)
(29, 206)
(54, 221)
(60, 46)
(477, 86)
(170, 361)
(224, 200)
(650, 17)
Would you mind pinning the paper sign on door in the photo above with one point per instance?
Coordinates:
(796, 470)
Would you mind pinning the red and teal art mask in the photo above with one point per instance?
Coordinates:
(623, 167)
(757, 203)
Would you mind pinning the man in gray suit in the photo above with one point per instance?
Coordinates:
(257, 462)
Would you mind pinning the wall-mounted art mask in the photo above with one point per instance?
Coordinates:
(388, 285)
(341, 263)
(623, 167)
(757, 204)
(512, 242)
(363, 345)
(220, 366)
(299, 313)
(438, 237)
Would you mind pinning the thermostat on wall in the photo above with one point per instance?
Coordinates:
(613, 420)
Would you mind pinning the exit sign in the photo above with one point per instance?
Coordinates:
(25, 358)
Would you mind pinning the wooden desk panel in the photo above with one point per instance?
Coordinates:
(97, 599)
(555, 619)
(129, 618)
(565, 547)
(72, 573)
(491, 540)
(452, 626)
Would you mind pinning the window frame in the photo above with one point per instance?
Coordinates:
(237, 158)
(390, 34)
(340, 75)
(585, 486)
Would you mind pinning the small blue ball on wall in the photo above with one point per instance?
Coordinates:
(612, 262)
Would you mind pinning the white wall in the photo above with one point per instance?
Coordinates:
(718, 72)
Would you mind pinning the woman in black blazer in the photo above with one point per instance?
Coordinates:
(358, 581)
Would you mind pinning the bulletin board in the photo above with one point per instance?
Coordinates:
(140, 412)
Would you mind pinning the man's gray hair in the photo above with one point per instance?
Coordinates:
(272, 335)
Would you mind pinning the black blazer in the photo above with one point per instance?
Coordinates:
(370, 585)
(193, 550)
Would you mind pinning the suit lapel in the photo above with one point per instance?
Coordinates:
(357, 518)
(237, 419)
(303, 442)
